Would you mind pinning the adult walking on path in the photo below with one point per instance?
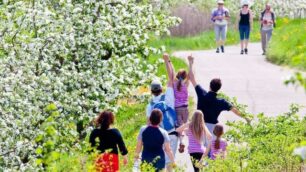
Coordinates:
(166, 100)
(109, 141)
(153, 139)
(208, 103)
(245, 19)
(267, 20)
(220, 17)
(197, 133)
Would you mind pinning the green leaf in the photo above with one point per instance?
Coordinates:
(39, 151)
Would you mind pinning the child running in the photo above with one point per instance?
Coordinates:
(197, 133)
(218, 145)
(180, 87)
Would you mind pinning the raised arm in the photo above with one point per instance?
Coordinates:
(191, 73)
(170, 69)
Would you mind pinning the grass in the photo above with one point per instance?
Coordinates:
(288, 46)
(205, 40)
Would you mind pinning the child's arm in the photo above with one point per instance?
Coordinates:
(182, 128)
(208, 134)
(169, 68)
(224, 152)
(191, 73)
(206, 152)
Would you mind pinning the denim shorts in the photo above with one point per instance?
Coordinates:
(244, 31)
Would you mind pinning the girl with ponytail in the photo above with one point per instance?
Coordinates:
(181, 100)
(218, 145)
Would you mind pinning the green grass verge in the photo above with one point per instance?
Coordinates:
(205, 40)
(288, 46)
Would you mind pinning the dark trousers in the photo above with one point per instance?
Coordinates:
(195, 157)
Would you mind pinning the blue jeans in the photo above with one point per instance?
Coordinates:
(244, 31)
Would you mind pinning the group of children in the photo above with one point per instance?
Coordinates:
(157, 143)
(201, 142)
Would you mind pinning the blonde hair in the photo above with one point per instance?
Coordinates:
(197, 126)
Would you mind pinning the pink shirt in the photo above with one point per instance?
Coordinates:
(214, 152)
(194, 146)
(181, 96)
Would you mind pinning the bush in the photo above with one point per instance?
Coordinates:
(80, 56)
(287, 46)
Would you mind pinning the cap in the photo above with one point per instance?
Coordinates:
(245, 2)
(156, 85)
(220, 2)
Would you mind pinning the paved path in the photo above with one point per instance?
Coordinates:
(254, 81)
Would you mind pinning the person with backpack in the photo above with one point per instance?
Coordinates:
(220, 17)
(267, 20)
(208, 102)
(151, 141)
(197, 133)
(245, 19)
(165, 102)
(109, 139)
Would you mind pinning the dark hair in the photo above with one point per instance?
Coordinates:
(157, 92)
(215, 84)
(181, 76)
(105, 119)
(156, 116)
(218, 131)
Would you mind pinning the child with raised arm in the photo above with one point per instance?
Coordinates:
(180, 87)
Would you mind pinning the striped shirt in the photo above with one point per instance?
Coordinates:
(194, 146)
(214, 152)
(181, 96)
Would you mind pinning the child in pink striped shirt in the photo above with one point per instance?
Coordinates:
(197, 133)
(218, 145)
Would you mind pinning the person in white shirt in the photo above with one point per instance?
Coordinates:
(156, 90)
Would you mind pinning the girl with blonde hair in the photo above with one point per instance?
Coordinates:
(197, 133)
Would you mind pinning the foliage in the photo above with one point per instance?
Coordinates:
(283, 8)
(78, 56)
(266, 145)
(287, 46)
(297, 79)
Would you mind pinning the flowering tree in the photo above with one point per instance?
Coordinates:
(73, 57)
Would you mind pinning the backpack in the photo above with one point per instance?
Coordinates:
(272, 15)
(169, 116)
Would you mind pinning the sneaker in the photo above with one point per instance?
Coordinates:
(181, 148)
(245, 51)
(222, 48)
(217, 51)
(241, 52)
